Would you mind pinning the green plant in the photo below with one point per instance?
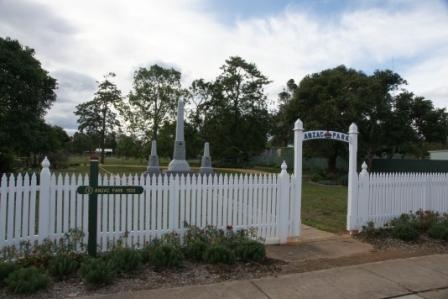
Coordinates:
(371, 232)
(125, 259)
(405, 227)
(219, 254)
(405, 232)
(426, 219)
(164, 255)
(194, 250)
(96, 271)
(6, 268)
(26, 280)
(40, 255)
(63, 265)
(439, 231)
(250, 250)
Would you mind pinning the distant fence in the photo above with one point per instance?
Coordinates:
(384, 196)
(406, 165)
(33, 212)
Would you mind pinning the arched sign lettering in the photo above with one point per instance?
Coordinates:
(320, 134)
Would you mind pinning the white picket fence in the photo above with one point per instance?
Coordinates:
(384, 196)
(33, 212)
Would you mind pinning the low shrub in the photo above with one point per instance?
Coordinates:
(125, 260)
(62, 266)
(426, 219)
(405, 232)
(40, 255)
(6, 268)
(439, 231)
(26, 280)
(219, 254)
(194, 250)
(96, 271)
(250, 251)
(165, 256)
(371, 232)
(405, 227)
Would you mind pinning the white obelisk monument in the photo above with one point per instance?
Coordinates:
(179, 164)
(206, 161)
(153, 163)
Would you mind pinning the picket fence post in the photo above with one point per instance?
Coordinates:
(44, 200)
(363, 197)
(296, 203)
(283, 201)
(352, 177)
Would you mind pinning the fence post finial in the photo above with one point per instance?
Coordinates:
(298, 125)
(45, 163)
(353, 129)
(364, 168)
(284, 167)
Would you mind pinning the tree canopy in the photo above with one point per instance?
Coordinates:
(234, 116)
(390, 119)
(152, 100)
(26, 93)
(97, 117)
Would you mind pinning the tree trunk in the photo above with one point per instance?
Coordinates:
(103, 137)
(155, 129)
(331, 166)
(369, 159)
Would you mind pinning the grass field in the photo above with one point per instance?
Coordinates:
(323, 207)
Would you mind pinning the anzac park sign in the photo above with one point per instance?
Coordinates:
(309, 135)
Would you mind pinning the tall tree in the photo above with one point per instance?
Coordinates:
(390, 119)
(97, 117)
(235, 114)
(26, 93)
(152, 100)
(281, 127)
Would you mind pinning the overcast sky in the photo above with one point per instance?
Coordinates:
(80, 41)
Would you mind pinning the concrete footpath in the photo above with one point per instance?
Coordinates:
(418, 277)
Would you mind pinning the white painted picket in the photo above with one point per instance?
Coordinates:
(384, 196)
(242, 201)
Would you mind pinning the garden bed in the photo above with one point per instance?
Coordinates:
(202, 256)
(423, 231)
(147, 278)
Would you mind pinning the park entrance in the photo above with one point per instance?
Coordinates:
(352, 139)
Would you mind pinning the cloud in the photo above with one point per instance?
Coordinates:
(73, 88)
(88, 39)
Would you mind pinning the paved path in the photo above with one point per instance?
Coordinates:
(317, 244)
(419, 277)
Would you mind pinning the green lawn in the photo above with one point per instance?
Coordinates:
(324, 207)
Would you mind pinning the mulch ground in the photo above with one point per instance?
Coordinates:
(193, 274)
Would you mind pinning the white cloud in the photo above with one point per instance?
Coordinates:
(96, 37)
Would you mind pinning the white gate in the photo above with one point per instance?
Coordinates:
(352, 139)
